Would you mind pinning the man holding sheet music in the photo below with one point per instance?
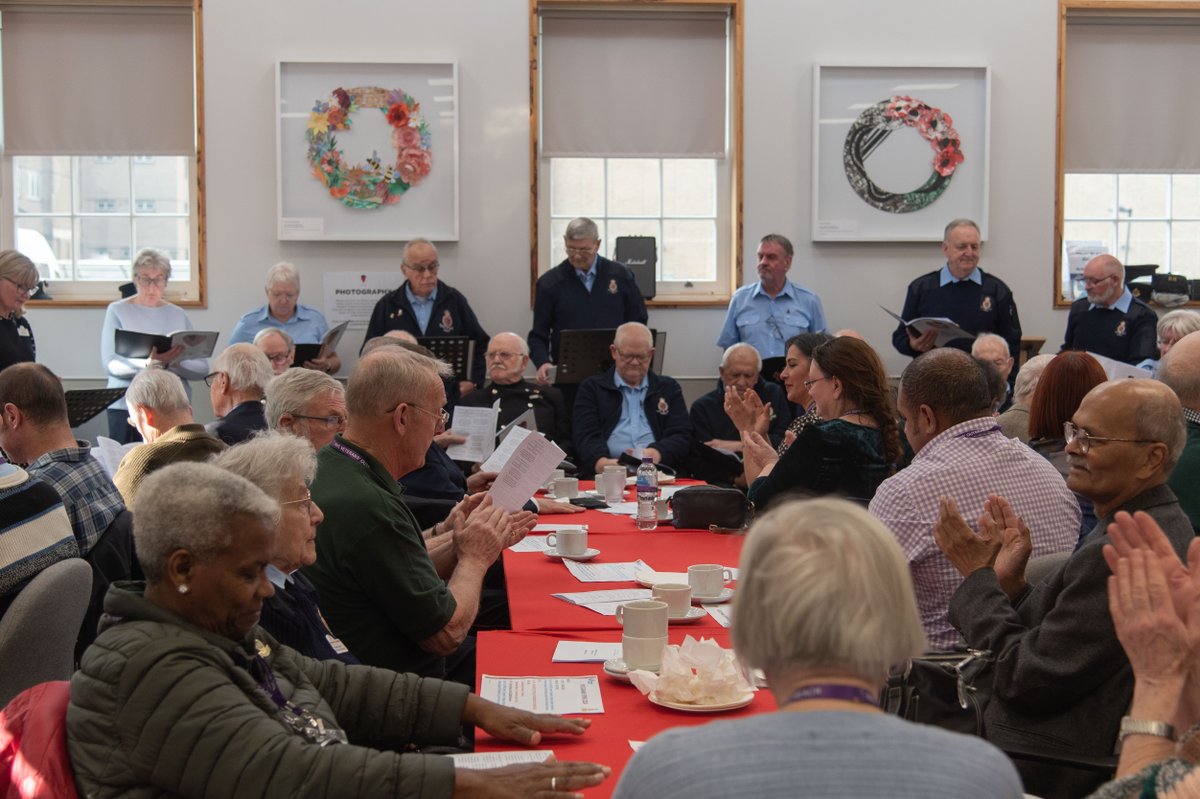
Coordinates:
(976, 301)
(305, 324)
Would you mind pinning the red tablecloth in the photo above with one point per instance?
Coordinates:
(628, 716)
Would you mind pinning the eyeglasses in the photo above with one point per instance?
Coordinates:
(1096, 281)
(633, 358)
(327, 421)
(281, 358)
(581, 250)
(421, 269)
(809, 383)
(284, 295)
(22, 289)
(443, 416)
(147, 282)
(502, 356)
(305, 502)
(208, 378)
(1075, 434)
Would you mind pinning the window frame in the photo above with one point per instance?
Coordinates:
(728, 229)
(100, 294)
(1131, 8)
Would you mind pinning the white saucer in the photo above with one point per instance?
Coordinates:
(725, 595)
(648, 579)
(588, 554)
(617, 669)
(742, 701)
(693, 614)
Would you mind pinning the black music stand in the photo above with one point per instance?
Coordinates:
(84, 404)
(458, 351)
(583, 353)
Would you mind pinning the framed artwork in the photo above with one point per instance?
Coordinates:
(898, 151)
(367, 151)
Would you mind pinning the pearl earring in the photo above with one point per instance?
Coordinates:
(183, 589)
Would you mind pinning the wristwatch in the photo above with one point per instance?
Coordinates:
(1132, 726)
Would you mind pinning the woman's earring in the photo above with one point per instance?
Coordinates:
(183, 589)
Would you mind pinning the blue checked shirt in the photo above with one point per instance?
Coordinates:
(91, 499)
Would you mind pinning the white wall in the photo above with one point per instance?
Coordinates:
(488, 39)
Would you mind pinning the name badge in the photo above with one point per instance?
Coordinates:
(337, 645)
(23, 331)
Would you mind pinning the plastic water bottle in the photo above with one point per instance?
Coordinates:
(647, 492)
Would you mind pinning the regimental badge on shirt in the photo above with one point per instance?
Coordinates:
(612, 286)
(986, 305)
(1120, 331)
(663, 407)
(447, 324)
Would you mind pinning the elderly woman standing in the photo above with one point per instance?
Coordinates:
(18, 277)
(305, 324)
(184, 695)
(283, 466)
(824, 607)
(145, 312)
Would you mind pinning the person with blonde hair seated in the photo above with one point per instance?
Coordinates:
(825, 608)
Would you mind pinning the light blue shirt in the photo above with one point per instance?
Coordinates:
(422, 308)
(633, 429)
(589, 277)
(307, 325)
(277, 577)
(1122, 304)
(945, 277)
(766, 322)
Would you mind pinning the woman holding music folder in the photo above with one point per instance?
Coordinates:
(145, 312)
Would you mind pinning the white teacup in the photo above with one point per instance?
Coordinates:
(642, 653)
(643, 618)
(566, 487)
(556, 474)
(661, 510)
(677, 596)
(568, 541)
(708, 579)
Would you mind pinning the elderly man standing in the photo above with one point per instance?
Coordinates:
(425, 306)
(34, 431)
(277, 346)
(586, 291)
(1062, 680)
(1180, 370)
(977, 301)
(303, 323)
(159, 409)
(1014, 422)
(396, 599)
(962, 453)
(740, 368)
(768, 313)
(1110, 321)
(629, 409)
(307, 404)
(236, 386)
(507, 356)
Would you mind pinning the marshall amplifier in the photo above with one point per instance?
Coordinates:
(639, 253)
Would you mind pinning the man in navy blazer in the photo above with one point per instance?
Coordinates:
(584, 292)
(628, 409)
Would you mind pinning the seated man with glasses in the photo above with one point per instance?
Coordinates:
(1110, 321)
(307, 404)
(1062, 680)
(236, 387)
(18, 278)
(283, 311)
(278, 346)
(584, 292)
(506, 358)
(630, 410)
(425, 306)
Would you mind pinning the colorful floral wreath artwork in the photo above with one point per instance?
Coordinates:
(877, 123)
(373, 184)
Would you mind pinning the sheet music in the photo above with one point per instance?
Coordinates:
(535, 459)
(110, 453)
(525, 421)
(605, 602)
(530, 543)
(605, 572)
(508, 445)
(544, 694)
(478, 426)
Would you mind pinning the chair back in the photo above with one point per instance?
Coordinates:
(38, 631)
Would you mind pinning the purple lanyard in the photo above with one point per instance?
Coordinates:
(980, 433)
(341, 448)
(847, 693)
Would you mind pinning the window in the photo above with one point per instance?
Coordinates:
(669, 167)
(1129, 170)
(83, 198)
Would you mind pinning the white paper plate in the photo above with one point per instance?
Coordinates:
(742, 701)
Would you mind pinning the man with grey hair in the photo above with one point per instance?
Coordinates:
(277, 346)
(1180, 370)
(159, 409)
(398, 598)
(768, 313)
(1014, 422)
(740, 373)
(978, 302)
(308, 404)
(426, 306)
(584, 292)
(1110, 321)
(993, 349)
(1061, 677)
(236, 386)
(305, 324)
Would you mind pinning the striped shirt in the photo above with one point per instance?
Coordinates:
(91, 499)
(969, 461)
(34, 530)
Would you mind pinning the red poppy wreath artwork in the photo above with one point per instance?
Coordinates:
(378, 181)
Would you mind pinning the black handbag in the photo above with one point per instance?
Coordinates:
(946, 689)
(711, 508)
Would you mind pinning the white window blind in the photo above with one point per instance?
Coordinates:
(1130, 94)
(98, 81)
(626, 83)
